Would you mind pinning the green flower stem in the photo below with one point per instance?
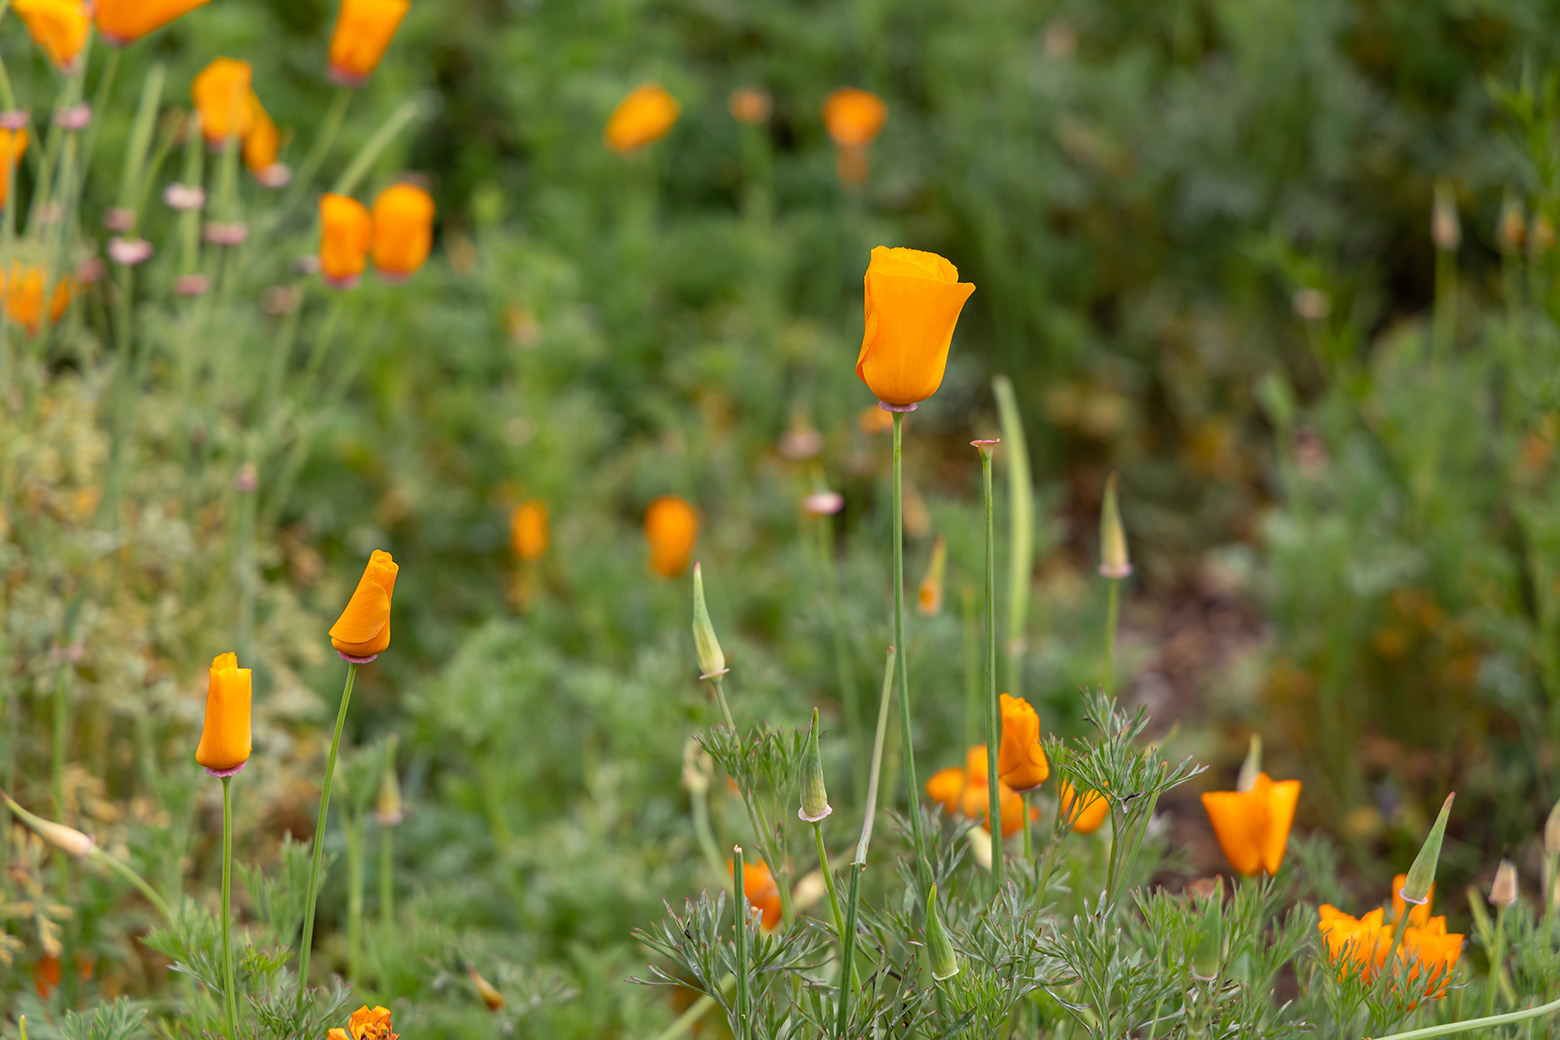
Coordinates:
(387, 876)
(993, 711)
(229, 988)
(912, 785)
(105, 89)
(1497, 957)
(850, 696)
(313, 892)
(848, 943)
(1021, 537)
(1112, 613)
(97, 855)
(1489, 1022)
(877, 758)
(378, 143)
(330, 127)
(740, 919)
(725, 709)
(354, 831)
(1029, 841)
(834, 899)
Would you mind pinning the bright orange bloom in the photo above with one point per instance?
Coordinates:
(671, 528)
(1021, 760)
(366, 1023)
(528, 530)
(967, 791)
(346, 231)
(225, 739)
(1360, 946)
(13, 145)
(46, 975)
(262, 142)
(750, 105)
(403, 230)
(873, 419)
(758, 884)
(646, 115)
(1253, 826)
(364, 29)
(1091, 810)
(24, 297)
(1357, 943)
(59, 27)
(222, 93)
(853, 117)
(124, 21)
(1419, 916)
(913, 300)
(363, 630)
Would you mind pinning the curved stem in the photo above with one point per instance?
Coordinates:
(912, 786)
(313, 892)
(1490, 1022)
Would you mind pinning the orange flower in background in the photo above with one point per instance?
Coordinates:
(1360, 946)
(913, 300)
(1253, 826)
(261, 144)
(967, 790)
(46, 975)
(58, 27)
(403, 230)
(364, 29)
(1088, 814)
(750, 105)
(366, 1023)
(646, 115)
(1355, 944)
(1419, 916)
(529, 530)
(671, 528)
(125, 21)
(225, 739)
(853, 117)
(222, 96)
(758, 884)
(24, 297)
(873, 419)
(362, 632)
(346, 231)
(1021, 762)
(13, 145)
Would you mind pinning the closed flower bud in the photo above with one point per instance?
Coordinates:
(346, 231)
(1445, 230)
(645, 116)
(225, 739)
(491, 997)
(1021, 761)
(13, 145)
(1503, 893)
(912, 303)
(364, 29)
(261, 145)
(403, 230)
(945, 962)
(671, 528)
(529, 530)
(222, 93)
(1252, 766)
(66, 839)
(1421, 875)
(929, 599)
(711, 661)
(125, 21)
(58, 27)
(387, 806)
(1113, 537)
(362, 632)
(815, 798)
(853, 117)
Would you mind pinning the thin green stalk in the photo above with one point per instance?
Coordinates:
(141, 136)
(848, 945)
(1497, 958)
(1029, 841)
(877, 758)
(1112, 613)
(354, 831)
(330, 127)
(229, 987)
(313, 891)
(378, 143)
(100, 99)
(1021, 533)
(720, 696)
(1490, 1022)
(97, 855)
(387, 876)
(993, 710)
(912, 785)
(739, 910)
(828, 879)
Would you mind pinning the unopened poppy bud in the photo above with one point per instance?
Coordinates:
(1421, 876)
(364, 29)
(346, 232)
(387, 807)
(223, 97)
(402, 230)
(1552, 831)
(66, 839)
(711, 661)
(645, 116)
(1113, 538)
(815, 797)
(913, 300)
(1207, 956)
(486, 990)
(59, 27)
(225, 739)
(929, 599)
(945, 962)
(362, 632)
(698, 767)
(1503, 893)
(1445, 229)
(1251, 767)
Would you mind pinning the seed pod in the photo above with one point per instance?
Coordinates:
(711, 661)
(1113, 538)
(815, 797)
(945, 962)
(1421, 876)
(1503, 893)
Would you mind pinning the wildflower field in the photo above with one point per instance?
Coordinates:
(779, 520)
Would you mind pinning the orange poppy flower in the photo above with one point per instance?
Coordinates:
(1021, 760)
(261, 145)
(403, 230)
(46, 975)
(362, 632)
(929, 597)
(671, 528)
(13, 145)
(646, 115)
(58, 27)
(913, 300)
(1360, 946)
(1253, 826)
(24, 297)
(222, 96)
(225, 739)
(853, 117)
(758, 884)
(966, 791)
(364, 29)
(346, 231)
(529, 530)
(1090, 812)
(125, 21)
(366, 1023)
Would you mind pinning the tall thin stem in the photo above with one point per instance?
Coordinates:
(1476, 1023)
(739, 912)
(330, 126)
(993, 710)
(912, 785)
(387, 876)
(229, 988)
(313, 891)
(354, 830)
(1112, 613)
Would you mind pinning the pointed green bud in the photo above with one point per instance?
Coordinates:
(1421, 876)
(815, 798)
(1208, 955)
(1113, 539)
(1552, 831)
(1445, 228)
(945, 962)
(1252, 766)
(711, 661)
(387, 807)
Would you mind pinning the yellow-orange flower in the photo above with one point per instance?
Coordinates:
(124, 21)
(364, 29)
(13, 145)
(646, 115)
(671, 528)
(1089, 812)
(1253, 826)
(403, 230)
(225, 738)
(529, 530)
(58, 27)
(261, 143)
(1360, 946)
(363, 630)
(1021, 762)
(222, 96)
(967, 790)
(758, 884)
(853, 117)
(912, 301)
(346, 231)
(749, 105)
(24, 297)
(365, 1023)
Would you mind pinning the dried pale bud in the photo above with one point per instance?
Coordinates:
(929, 599)
(1421, 876)
(486, 990)
(945, 962)
(1252, 766)
(66, 839)
(815, 797)
(387, 807)
(711, 661)
(698, 767)
(1503, 893)
(1311, 304)
(1445, 229)
(823, 503)
(1552, 832)
(1113, 537)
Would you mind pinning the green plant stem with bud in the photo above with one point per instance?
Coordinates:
(355, 884)
(312, 893)
(912, 785)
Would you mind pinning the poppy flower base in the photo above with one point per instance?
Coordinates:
(12, 120)
(355, 660)
(225, 773)
(1117, 573)
(343, 283)
(714, 675)
(343, 78)
(76, 117)
(897, 407)
(801, 814)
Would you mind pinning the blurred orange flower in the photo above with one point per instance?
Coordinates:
(366, 1023)
(758, 884)
(261, 144)
(1253, 826)
(346, 231)
(364, 29)
(225, 738)
(528, 530)
(1091, 810)
(671, 528)
(24, 297)
(363, 630)
(750, 105)
(646, 115)
(58, 27)
(13, 145)
(913, 300)
(1360, 946)
(967, 790)
(1021, 762)
(1419, 916)
(125, 21)
(853, 117)
(403, 230)
(222, 96)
